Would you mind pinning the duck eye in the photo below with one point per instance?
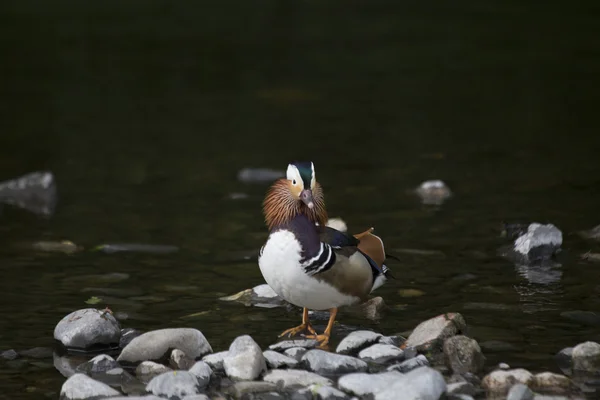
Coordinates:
(293, 182)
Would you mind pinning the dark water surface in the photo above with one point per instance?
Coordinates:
(145, 112)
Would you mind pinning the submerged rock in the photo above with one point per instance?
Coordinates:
(463, 355)
(433, 192)
(356, 341)
(295, 352)
(501, 381)
(245, 360)
(156, 345)
(87, 328)
(539, 243)
(277, 360)
(35, 192)
(246, 389)
(431, 334)
(381, 353)
(174, 384)
(80, 386)
(548, 381)
(9, 354)
(326, 363)
(295, 377)
(593, 233)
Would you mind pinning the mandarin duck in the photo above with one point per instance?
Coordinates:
(309, 264)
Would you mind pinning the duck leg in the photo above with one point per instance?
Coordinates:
(324, 338)
(304, 326)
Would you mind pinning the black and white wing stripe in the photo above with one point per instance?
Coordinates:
(323, 261)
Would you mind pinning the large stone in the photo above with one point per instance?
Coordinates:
(463, 355)
(147, 370)
(548, 381)
(408, 365)
(156, 345)
(277, 360)
(80, 386)
(295, 352)
(174, 384)
(430, 334)
(586, 357)
(327, 393)
(419, 384)
(501, 381)
(288, 344)
(215, 360)
(362, 384)
(326, 363)
(180, 360)
(520, 392)
(245, 360)
(381, 354)
(98, 365)
(356, 341)
(202, 372)
(295, 377)
(86, 328)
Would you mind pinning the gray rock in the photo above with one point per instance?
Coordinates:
(361, 384)
(127, 335)
(295, 352)
(147, 370)
(259, 175)
(147, 397)
(258, 296)
(327, 393)
(277, 360)
(244, 389)
(295, 377)
(371, 309)
(501, 381)
(520, 392)
(245, 360)
(564, 360)
(325, 363)
(539, 242)
(191, 397)
(98, 365)
(174, 384)
(430, 334)
(9, 354)
(393, 340)
(433, 192)
(586, 357)
(466, 388)
(463, 355)
(37, 352)
(409, 365)
(155, 345)
(589, 318)
(288, 344)
(202, 372)
(419, 384)
(88, 327)
(80, 386)
(35, 192)
(215, 360)
(179, 360)
(303, 394)
(548, 381)
(381, 354)
(356, 341)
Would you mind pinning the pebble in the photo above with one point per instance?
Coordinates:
(520, 392)
(215, 360)
(179, 360)
(409, 365)
(381, 354)
(88, 327)
(80, 386)
(327, 393)
(419, 384)
(244, 389)
(463, 354)
(9, 354)
(433, 192)
(98, 365)
(154, 345)
(147, 370)
(326, 363)
(292, 377)
(586, 357)
(501, 381)
(277, 360)
(393, 340)
(431, 333)
(295, 352)
(356, 341)
(174, 384)
(245, 360)
(288, 344)
(202, 371)
(362, 384)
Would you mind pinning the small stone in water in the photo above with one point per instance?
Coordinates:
(85, 328)
(431, 333)
(323, 362)
(501, 381)
(327, 392)
(179, 360)
(9, 354)
(503, 366)
(433, 192)
(80, 386)
(381, 353)
(357, 341)
(409, 365)
(98, 365)
(463, 354)
(550, 381)
(586, 357)
(539, 242)
(288, 344)
(245, 360)
(149, 369)
(127, 335)
(520, 392)
(361, 384)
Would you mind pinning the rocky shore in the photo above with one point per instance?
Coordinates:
(436, 361)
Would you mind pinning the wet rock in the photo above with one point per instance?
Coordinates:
(520, 392)
(87, 328)
(540, 242)
(215, 360)
(361, 384)
(433, 192)
(501, 381)
(64, 246)
(9, 354)
(80, 386)
(409, 365)
(179, 360)
(295, 352)
(258, 296)
(593, 233)
(127, 335)
(98, 365)
(461, 388)
(564, 360)
(327, 393)
(326, 363)
(202, 372)
(371, 309)
(418, 384)
(356, 341)
(244, 389)
(147, 370)
(34, 192)
(393, 340)
(381, 354)
(277, 360)
(293, 377)
(288, 344)
(430, 334)
(191, 397)
(583, 317)
(174, 384)
(111, 248)
(586, 357)
(463, 355)
(155, 345)
(245, 360)
(548, 381)
(503, 366)
(37, 352)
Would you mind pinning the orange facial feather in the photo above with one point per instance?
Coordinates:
(281, 206)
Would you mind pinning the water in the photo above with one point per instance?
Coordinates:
(145, 112)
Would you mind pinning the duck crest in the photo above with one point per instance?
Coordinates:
(280, 207)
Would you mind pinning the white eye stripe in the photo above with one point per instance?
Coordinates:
(313, 180)
(293, 175)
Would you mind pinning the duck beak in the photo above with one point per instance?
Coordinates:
(307, 198)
